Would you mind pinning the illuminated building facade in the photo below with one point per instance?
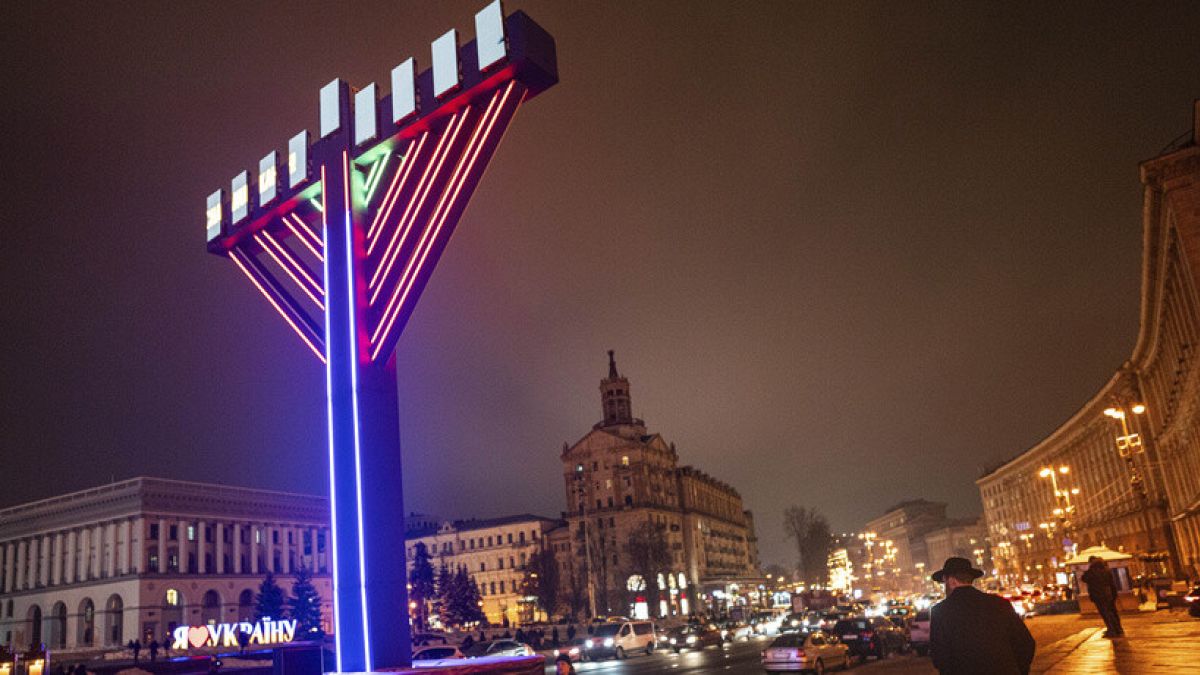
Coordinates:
(896, 546)
(89, 571)
(494, 552)
(620, 476)
(1132, 452)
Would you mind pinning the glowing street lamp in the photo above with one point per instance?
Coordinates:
(1130, 444)
(343, 251)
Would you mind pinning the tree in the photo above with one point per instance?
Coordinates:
(269, 601)
(471, 610)
(305, 606)
(541, 580)
(577, 597)
(810, 530)
(424, 590)
(647, 554)
(445, 592)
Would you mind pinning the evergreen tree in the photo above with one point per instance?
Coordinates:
(305, 606)
(421, 579)
(468, 596)
(541, 580)
(269, 601)
(445, 597)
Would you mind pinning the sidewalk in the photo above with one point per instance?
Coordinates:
(1158, 642)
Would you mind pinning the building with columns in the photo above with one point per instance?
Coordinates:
(494, 552)
(1132, 450)
(620, 477)
(90, 570)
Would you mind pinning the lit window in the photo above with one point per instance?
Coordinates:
(624, 460)
(172, 597)
(191, 532)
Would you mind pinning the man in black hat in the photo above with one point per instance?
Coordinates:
(975, 632)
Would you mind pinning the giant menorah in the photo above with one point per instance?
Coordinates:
(342, 250)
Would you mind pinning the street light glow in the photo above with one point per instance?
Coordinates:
(1138, 408)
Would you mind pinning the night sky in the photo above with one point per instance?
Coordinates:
(847, 254)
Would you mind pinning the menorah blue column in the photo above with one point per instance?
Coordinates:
(375, 248)
(364, 454)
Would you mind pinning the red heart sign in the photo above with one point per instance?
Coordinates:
(197, 636)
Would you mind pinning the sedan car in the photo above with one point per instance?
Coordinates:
(875, 636)
(735, 631)
(497, 648)
(918, 632)
(436, 653)
(797, 652)
(576, 649)
(693, 636)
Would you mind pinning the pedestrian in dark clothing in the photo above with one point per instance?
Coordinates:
(467, 642)
(153, 649)
(520, 636)
(1103, 593)
(570, 632)
(976, 633)
(136, 646)
(554, 635)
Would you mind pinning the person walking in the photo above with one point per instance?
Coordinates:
(976, 633)
(153, 646)
(1103, 593)
(136, 647)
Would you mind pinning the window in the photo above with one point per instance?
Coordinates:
(512, 562)
(607, 483)
(257, 535)
(172, 597)
(489, 541)
(628, 500)
(502, 588)
(191, 532)
(290, 539)
(174, 533)
(510, 537)
(274, 536)
(610, 502)
(153, 564)
(624, 460)
(493, 589)
(521, 537)
(482, 567)
(154, 531)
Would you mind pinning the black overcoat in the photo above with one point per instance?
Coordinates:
(980, 634)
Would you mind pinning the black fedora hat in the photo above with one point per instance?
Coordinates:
(955, 566)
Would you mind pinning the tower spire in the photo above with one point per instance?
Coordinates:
(614, 396)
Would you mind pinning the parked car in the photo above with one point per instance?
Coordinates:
(497, 648)
(620, 639)
(815, 651)
(918, 632)
(693, 636)
(436, 653)
(874, 636)
(575, 650)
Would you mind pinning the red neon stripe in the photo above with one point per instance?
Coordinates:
(393, 192)
(400, 234)
(297, 266)
(286, 268)
(408, 279)
(410, 213)
(249, 275)
(303, 233)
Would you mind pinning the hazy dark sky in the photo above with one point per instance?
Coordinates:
(846, 253)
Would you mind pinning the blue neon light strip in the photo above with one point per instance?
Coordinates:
(362, 557)
(337, 625)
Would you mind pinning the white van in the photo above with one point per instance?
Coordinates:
(620, 639)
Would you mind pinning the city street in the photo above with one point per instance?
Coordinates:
(1158, 642)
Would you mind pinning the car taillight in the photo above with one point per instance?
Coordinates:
(799, 653)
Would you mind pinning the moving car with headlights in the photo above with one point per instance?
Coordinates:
(766, 623)
(918, 632)
(814, 651)
(874, 636)
(620, 639)
(735, 631)
(497, 648)
(575, 650)
(693, 636)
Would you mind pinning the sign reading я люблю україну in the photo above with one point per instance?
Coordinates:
(262, 632)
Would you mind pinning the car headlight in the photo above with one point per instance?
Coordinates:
(672, 640)
(556, 653)
(795, 622)
(574, 651)
(691, 639)
(589, 644)
(608, 642)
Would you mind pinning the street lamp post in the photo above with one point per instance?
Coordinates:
(1063, 509)
(1128, 445)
